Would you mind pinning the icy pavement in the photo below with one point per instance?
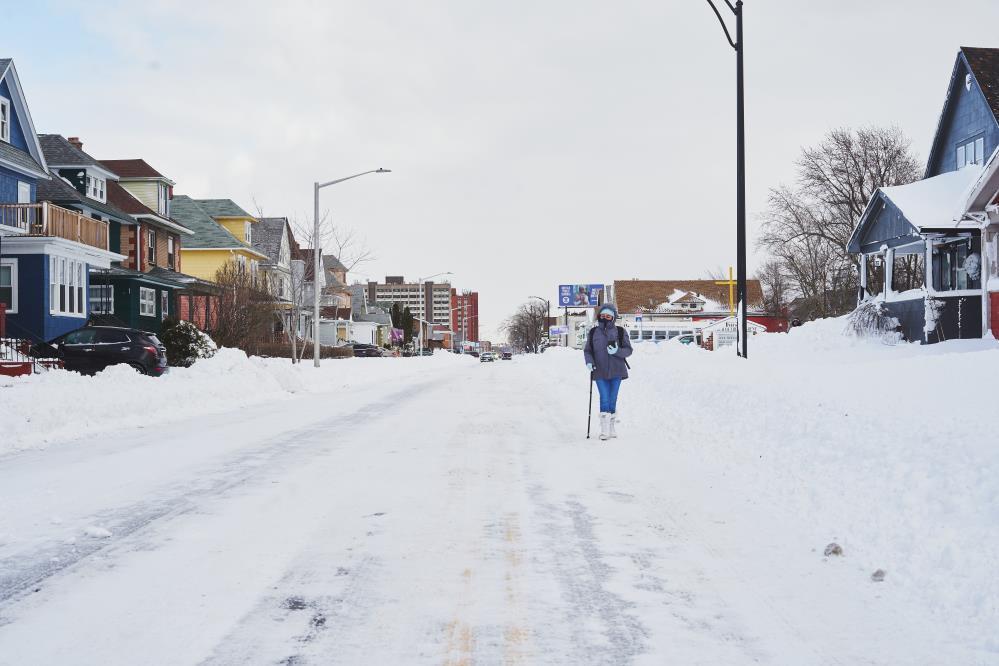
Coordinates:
(458, 516)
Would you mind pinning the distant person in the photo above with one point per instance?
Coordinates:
(607, 347)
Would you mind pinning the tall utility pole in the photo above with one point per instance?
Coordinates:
(740, 195)
(317, 260)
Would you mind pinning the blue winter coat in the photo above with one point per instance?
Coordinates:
(607, 366)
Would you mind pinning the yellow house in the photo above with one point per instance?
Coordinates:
(222, 233)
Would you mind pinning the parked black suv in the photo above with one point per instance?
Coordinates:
(362, 349)
(92, 348)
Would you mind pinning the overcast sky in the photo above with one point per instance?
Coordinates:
(531, 143)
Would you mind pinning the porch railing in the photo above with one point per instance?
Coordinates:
(47, 219)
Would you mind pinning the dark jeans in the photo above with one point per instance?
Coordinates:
(608, 393)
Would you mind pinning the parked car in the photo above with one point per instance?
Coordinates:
(91, 349)
(365, 350)
(487, 357)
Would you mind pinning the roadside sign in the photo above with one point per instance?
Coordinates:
(558, 330)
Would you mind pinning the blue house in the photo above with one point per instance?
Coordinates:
(46, 251)
(920, 253)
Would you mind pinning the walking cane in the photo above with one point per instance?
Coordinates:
(589, 412)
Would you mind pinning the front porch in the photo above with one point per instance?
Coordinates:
(931, 284)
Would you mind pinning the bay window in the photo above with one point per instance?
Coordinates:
(8, 284)
(67, 281)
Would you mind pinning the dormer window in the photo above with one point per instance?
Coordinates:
(96, 188)
(162, 199)
(5, 119)
(971, 152)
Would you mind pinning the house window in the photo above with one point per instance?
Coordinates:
(147, 302)
(956, 265)
(151, 245)
(66, 285)
(908, 271)
(241, 262)
(8, 284)
(95, 188)
(162, 202)
(5, 119)
(875, 274)
(971, 152)
(248, 233)
(170, 253)
(102, 299)
(164, 304)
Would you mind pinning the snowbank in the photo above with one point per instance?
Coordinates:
(57, 405)
(889, 450)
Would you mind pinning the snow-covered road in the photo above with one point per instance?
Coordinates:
(456, 517)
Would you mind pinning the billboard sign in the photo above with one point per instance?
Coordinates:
(579, 295)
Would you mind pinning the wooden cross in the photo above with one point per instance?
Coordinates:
(731, 290)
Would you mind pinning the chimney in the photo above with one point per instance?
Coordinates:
(75, 142)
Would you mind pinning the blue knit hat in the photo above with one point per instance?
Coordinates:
(608, 307)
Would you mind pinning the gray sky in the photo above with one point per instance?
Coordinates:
(532, 143)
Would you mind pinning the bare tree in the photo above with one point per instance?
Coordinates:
(806, 227)
(342, 243)
(245, 312)
(776, 287)
(526, 327)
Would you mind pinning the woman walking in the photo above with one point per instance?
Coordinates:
(607, 347)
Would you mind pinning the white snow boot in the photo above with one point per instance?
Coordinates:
(610, 425)
(605, 425)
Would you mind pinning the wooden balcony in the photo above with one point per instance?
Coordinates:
(47, 219)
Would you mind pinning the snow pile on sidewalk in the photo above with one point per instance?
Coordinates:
(891, 451)
(59, 405)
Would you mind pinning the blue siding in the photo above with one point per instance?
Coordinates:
(17, 138)
(887, 226)
(968, 115)
(33, 319)
(8, 185)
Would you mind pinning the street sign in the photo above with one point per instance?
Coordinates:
(558, 330)
(579, 295)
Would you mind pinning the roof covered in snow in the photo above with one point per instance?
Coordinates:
(935, 202)
(650, 294)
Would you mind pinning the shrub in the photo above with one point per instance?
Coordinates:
(185, 343)
(871, 319)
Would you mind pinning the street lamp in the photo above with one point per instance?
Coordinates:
(316, 259)
(548, 317)
(423, 304)
(740, 195)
